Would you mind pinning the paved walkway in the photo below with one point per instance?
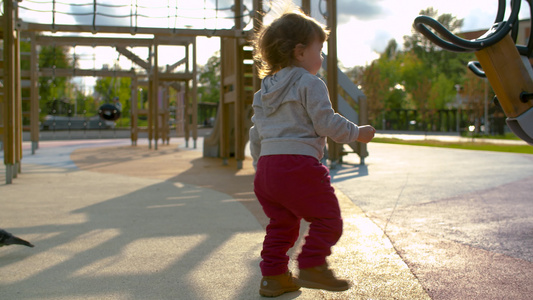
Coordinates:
(112, 221)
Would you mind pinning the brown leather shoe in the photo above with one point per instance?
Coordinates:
(321, 277)
(273, 286)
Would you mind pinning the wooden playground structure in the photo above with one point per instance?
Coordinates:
(238, 80)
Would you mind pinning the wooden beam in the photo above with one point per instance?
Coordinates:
(86, 72)
(105, 73)
(92, 41)
(134, 58)
(113, 41)
(171, 32)
(176, 76)
(176, 64)
(174, 40)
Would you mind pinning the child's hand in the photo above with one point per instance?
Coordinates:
(366, 133)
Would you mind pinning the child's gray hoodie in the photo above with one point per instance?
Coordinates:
(293, 115)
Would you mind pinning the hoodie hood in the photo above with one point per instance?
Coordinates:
(277, 89)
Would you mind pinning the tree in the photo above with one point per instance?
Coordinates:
(107, 88)
(381, 83)
(438, 71)
(85, 105)
(444, 69)
(375, 88)
(475, 91)
(51, 88)
(433, 56)
(209, 80)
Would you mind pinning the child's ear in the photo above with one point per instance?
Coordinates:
(299, 52)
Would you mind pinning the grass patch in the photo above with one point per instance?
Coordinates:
(526, 149)
(506, 136)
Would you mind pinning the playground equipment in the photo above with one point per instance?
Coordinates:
(109, 112)
(238, 79)
(148, 73)
(506, 66)
(239, 82)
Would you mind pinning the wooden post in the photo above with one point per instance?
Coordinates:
(150, 125)
(239, 88)
(306, 7)
(334, 148)
(363, 119)
(9, 91)
(223, 106)
(155, 96)
(239, 105)
(34, 95)
(165, 116)
(150, 98)
(18, 107)
(194, 95)
(134, 111)
(186, 114)
(258, 21)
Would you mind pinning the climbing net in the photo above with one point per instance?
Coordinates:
(174, 14)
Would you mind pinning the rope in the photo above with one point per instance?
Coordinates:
(54, 17)
(134, 11)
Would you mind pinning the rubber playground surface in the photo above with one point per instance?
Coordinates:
(113, 221)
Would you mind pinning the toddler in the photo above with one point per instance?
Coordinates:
(292, 118)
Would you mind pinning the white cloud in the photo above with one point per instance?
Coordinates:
(359, 9)
(393, 19)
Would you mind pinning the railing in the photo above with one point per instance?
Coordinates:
(356, 98)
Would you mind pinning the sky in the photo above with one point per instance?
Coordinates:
(364, 27)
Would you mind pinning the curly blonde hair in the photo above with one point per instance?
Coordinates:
(274, 44)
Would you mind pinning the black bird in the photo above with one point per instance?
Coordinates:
(7, 238)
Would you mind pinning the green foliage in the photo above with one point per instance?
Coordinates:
(209, 80)
(441, 69)
(107, 88)
(25, 47)
(442, 92)
(85, 105)
(52, 89)
(421, 76)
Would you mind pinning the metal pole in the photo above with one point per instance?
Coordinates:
(486, 106)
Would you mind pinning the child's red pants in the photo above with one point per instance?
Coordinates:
(292, 187)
